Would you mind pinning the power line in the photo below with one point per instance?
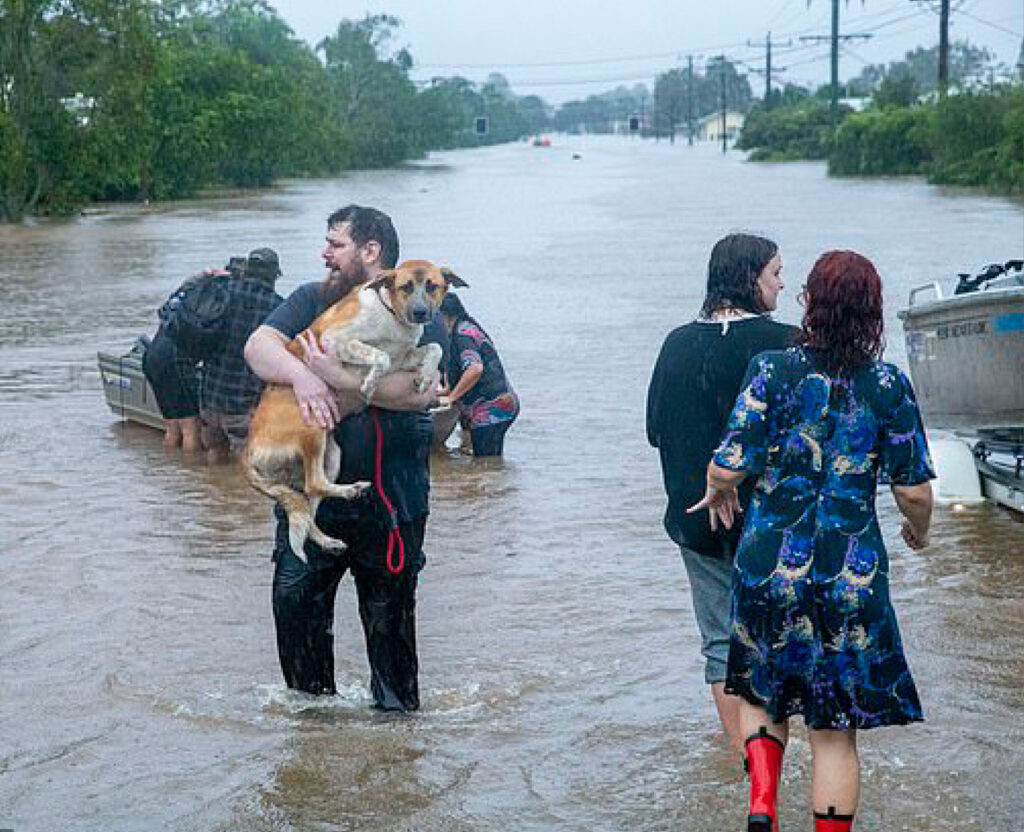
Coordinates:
(883, 19)
(988, 23)
(584, 62)
(714, 48)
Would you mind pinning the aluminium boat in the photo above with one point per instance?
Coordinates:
(966, 358)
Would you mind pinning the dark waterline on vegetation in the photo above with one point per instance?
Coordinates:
(562, 683)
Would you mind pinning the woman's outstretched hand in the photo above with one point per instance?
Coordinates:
(723, 504)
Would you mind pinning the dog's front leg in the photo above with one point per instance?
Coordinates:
(376, 361)
(424, 362)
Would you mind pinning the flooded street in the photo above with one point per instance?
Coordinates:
(561, 677)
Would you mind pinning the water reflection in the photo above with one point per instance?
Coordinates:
(561, 678)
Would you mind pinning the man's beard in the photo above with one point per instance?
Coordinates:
(342, 281)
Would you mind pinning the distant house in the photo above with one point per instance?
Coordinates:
(709, 128)
(857, 104)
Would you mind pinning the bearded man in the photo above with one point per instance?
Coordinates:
(361, 242)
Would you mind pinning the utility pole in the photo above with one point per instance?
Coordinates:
(943, 47)
(723, 103)
(689, 99)
(768, 67)
(835, 37)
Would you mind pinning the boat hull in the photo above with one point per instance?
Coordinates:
(966, 357)
(127, 392)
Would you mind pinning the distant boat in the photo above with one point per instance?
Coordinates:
(966, 356)
(131, 399)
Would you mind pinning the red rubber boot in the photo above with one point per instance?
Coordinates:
(832, 822)
(764, 763)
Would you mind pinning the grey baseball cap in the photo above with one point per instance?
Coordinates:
(263, 264)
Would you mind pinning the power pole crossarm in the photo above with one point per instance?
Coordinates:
(768, 66)
(835, 37)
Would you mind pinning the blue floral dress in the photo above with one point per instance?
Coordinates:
(814, 631)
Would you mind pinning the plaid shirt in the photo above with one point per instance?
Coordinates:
(228, 385)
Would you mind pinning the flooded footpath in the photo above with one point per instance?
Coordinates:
(561, 678)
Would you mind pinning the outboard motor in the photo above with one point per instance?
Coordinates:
(972, 284)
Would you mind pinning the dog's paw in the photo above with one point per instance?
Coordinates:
(333, 545)
(354, 490)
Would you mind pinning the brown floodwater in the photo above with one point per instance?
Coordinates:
(561, 678)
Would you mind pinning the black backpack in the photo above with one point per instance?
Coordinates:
(195, 317)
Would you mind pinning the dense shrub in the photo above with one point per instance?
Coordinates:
(882, 143)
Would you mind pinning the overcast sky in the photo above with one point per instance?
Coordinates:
(568, 49)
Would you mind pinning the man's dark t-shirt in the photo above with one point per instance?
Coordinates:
(693, 389)
(406, 449)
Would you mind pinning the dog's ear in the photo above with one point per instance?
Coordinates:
(384, 278)
(453, 279)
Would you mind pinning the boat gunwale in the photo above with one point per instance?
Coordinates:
(956, 303)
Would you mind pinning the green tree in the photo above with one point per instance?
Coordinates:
(896, 91)
(39, 143)
(967, 64)
(801, 129)
(374, 99)
(882, 142)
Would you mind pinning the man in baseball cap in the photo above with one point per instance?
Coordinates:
(263, 264)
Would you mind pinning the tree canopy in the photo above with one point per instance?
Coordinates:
(155, 99)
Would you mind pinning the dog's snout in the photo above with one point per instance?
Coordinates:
(420, 315)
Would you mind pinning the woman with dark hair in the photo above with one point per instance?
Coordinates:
(477, 380)
(692, 391)
(814, 631)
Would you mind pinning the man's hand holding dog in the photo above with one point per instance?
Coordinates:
(337, 394)
(317, 400)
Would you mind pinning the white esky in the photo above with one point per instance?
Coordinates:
(568, 49)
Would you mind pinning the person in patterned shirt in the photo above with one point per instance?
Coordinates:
(229, 389)
(478, 384)
(817, 427)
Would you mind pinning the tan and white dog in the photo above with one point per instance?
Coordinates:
(373, 330)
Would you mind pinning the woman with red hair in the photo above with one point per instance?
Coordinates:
(813, 628)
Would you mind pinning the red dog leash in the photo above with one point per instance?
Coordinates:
(393, 533)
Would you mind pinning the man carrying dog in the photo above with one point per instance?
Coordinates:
(360, 243)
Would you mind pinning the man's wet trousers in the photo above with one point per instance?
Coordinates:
(304, 595)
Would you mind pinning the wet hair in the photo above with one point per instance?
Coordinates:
(843, 315)
(736, 263)
(366, 224)
(452, 307)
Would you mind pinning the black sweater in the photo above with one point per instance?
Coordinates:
(692, 393)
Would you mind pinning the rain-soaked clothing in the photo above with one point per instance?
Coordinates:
(491, 405)
(304, 594)
(172, 376)
(813, 628)
(693, 388)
